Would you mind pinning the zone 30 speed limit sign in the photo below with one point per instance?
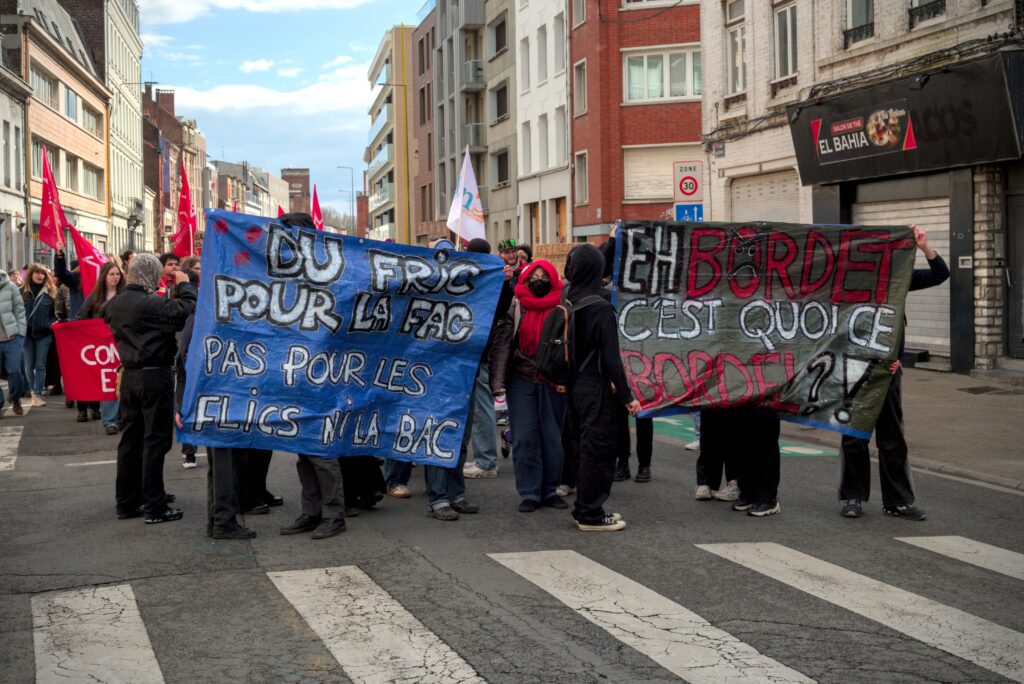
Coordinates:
(688, 177)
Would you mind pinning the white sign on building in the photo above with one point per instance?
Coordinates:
(688, 181)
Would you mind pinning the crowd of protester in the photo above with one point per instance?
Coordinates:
(566, 435)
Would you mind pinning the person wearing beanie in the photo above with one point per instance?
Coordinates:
(479, 246)
(144, 326)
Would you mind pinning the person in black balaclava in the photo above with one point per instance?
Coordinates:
(598, 387)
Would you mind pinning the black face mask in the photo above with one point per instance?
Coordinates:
(539, 288)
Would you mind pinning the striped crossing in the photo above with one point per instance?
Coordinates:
(986, 644)
(679, 640)
(1003, 561)
(371, 635)
(10, 439)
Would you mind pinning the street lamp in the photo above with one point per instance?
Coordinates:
(352, 194)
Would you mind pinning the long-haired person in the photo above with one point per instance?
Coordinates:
(109, 284)
(39, 293)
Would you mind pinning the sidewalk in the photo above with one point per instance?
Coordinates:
(956, 424)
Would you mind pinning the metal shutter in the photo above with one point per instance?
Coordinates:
(927, 310)
(647, 171)
(768, 197)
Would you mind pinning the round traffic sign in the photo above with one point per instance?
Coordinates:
(688, 185)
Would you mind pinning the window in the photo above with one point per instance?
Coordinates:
(71, 173)
(737, 60)
(527, 149)
(93, 181)
(542, 54)
(92, 121)
(559, 45)
(561, 137)
(579, 88)
(501, 168)
(421, 53)
(524, 64)
(582, 179)
(7, 153)
(579, 12)
(37, 158)
(17, 157)
(44, 85)
(785, 42)
(734, 10)
(499, 36)
(662, 75)
(542, 141)
(423, 106)
(925, 10)
(499, 102)
(861, 12)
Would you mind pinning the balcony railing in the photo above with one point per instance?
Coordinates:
(381, 159)
(930, 10)
(476, 135)
(384, 195)
(384, 76)
(381, 233)
(858, 33)
(383, 117)
(473, 75)
(424, 10)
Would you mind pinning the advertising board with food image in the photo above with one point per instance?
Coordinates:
(878, 130)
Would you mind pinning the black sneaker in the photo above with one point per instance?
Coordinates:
(643, 474)
(137, 512)
(304, 523)
(465, 507)
(621, 472)
(528, 506)
(852, 508)
(170, 514)
(257, 509)
(608, 523)
(764, 508)
(741, 504)
(236, 532)
(329, 528)
(83, 417)
(908, 511)
(95, 415)
(555, 502)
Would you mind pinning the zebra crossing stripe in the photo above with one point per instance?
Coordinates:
(370, 634)
(92, 634)
(986, 644)
(10, 438)
(1003, 561)
(679, 640)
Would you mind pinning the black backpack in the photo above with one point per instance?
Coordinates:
(554, 351)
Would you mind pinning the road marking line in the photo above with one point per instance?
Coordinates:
(94, 634)
(966, 636)
(965, 480)
(10, 441)
(370, 634)
(1003, 561)
(679, 640)
(110, 462)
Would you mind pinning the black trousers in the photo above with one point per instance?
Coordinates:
(147, 404)
(644, 439)
(758, 453)
(223, 474)
(592, 410)
(720, 445)
(322, 493)
(893, 464)
(253, 486)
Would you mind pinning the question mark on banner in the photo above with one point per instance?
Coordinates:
(862, 368)
(824, 363)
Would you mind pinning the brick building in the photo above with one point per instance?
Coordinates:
(299, 189)
(636, 107)
(426, 225)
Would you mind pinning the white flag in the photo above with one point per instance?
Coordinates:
(466, 217)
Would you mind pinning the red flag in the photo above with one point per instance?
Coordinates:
(184, 238)
(318, 218)
(90, 260)
(52, 221)
(234, 207)
(88, 359)
(280, 211)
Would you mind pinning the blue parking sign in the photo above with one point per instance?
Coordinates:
(689, 212)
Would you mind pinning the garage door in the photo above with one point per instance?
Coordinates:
(927, 310)
(768, 197)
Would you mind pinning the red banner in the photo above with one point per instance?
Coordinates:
(90, 260)
(184, 238)
(88, 359)
(318, 218)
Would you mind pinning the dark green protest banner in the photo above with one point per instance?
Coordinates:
(804, 320)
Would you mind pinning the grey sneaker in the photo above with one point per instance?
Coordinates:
(703, 493)
(730, 492)
(445, 512)
(852, 508)
(908, 511)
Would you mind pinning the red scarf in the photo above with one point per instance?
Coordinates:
(535, 309)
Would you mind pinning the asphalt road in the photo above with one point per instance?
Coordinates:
(689, 590)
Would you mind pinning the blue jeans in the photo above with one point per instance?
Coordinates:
(446, 486)
(10, 356)
(485, 429)
(535, 411)
(397, 472)
(36, 349)
(109, 411)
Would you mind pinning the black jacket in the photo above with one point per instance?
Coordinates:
(70, 278)
(39, 314)
(144, 325)
(505, 355)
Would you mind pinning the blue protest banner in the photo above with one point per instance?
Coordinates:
(315, 343)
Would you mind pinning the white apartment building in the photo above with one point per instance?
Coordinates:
(542, 106)
(785, 81)
(501, 196)
(13, 94)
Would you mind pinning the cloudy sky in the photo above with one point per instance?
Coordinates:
(277, 83)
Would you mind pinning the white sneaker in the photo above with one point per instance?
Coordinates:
(400, 491)
(692, 446)
(703, 493)
(37, 400)
(730, 492)
(564, 490)
(475, 472)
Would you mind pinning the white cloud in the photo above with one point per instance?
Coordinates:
(156, 12)
(155, 41)
(183, 57)
(337, 62)
(251, 65)
(290, 72)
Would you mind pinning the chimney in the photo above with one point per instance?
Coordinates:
(165, 100)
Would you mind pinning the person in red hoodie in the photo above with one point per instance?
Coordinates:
(536, 407)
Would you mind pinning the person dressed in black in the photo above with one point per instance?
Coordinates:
(893, 464)
(144, 327)
(596, 392)
(751, 435)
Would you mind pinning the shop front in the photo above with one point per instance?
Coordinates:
(940, 148)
